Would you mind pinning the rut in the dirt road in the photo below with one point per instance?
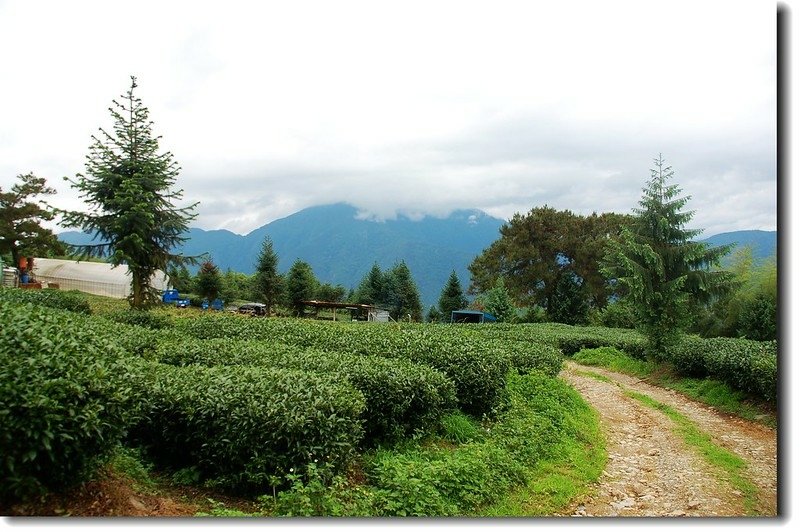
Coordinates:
(651, 471)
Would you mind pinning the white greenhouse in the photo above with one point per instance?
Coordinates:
(98, 278)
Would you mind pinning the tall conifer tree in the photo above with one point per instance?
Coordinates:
(452, 297)
(268, 282)
(659, 264)
(128, 188)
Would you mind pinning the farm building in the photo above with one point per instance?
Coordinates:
(470, 316)
(98, 278)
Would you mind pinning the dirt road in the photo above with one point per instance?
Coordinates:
(652, 471)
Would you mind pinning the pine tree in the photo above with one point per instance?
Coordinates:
(301, 285)
(208, 282)
(663, 270)
(452, 297)
(129, 191)
(403, 297)
(371, 290)
(21, 231)
(268, 282)
(570, 304)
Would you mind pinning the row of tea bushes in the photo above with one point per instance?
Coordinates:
(67, 394)
(243, 426)
(71, 300)
(401, 396)
(477, 366)
(746, 365)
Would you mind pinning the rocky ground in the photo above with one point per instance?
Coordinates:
(651, 472)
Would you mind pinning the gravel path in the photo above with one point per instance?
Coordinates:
(651, 471)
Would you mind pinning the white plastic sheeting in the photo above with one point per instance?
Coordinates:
(91, 277)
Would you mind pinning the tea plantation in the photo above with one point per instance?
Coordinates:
(437, 419)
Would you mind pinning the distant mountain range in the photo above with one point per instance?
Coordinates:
(342, 248)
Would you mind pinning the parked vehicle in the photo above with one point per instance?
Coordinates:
(254, 309)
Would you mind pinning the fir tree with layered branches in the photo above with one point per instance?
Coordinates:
(659, 265)
(129, 190)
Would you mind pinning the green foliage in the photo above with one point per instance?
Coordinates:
(569, 303)
(180, 278)
(268, 284)
(746, 365)
(434, 316)
(452, 297)
(67, 394)
(497, 302)
(536, 249)
(72, 300)
(129, 193)
(329, 292)
(459, 428)
(401, 397)
(21, 217)
(301, 285)
(208, 282)
(615, 360)
(402, 294)
(659, 265)
(370, 290)
(235, 286)
(617, 315)
(141, 318)
(241, 425)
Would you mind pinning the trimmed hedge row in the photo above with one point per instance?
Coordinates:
(67, 394)
(401, 396)
(477, 366)
(71, 300)
(746, 365)
(239, 425)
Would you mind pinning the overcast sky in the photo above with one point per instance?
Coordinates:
(410, 107)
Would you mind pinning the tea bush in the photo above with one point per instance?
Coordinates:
(67, 394)
(476, 364)
(746, 365)
(239, 425)
(68, 300)
(141, 318)
(401, 396)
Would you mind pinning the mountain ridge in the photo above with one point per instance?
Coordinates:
(341, 245)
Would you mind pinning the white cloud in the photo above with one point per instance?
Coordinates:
(419, 107)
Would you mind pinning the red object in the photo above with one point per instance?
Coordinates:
(23, 263)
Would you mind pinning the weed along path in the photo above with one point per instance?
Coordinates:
(671, 456)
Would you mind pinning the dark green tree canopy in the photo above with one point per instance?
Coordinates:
(403, 295)
(21, 217)
(128, 189)
(267, 281)
(301, 285)
(208, 282)
(371, 289)
(498, 303)
(535, 250)
(452, 297)
(662, 269)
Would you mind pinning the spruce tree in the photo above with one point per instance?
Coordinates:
(301, 285)
(128, 188)
(663, 270)
(403, 295)
(208, 282)
(497, 302)
(371, 289)
(452, 297)
(268, 282)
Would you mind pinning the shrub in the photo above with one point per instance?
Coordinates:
(141, 318)
(241, 425)
(747, 365)
(67, 394)
(69, 300)
(401, 396)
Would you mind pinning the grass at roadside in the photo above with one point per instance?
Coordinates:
(708, 391)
